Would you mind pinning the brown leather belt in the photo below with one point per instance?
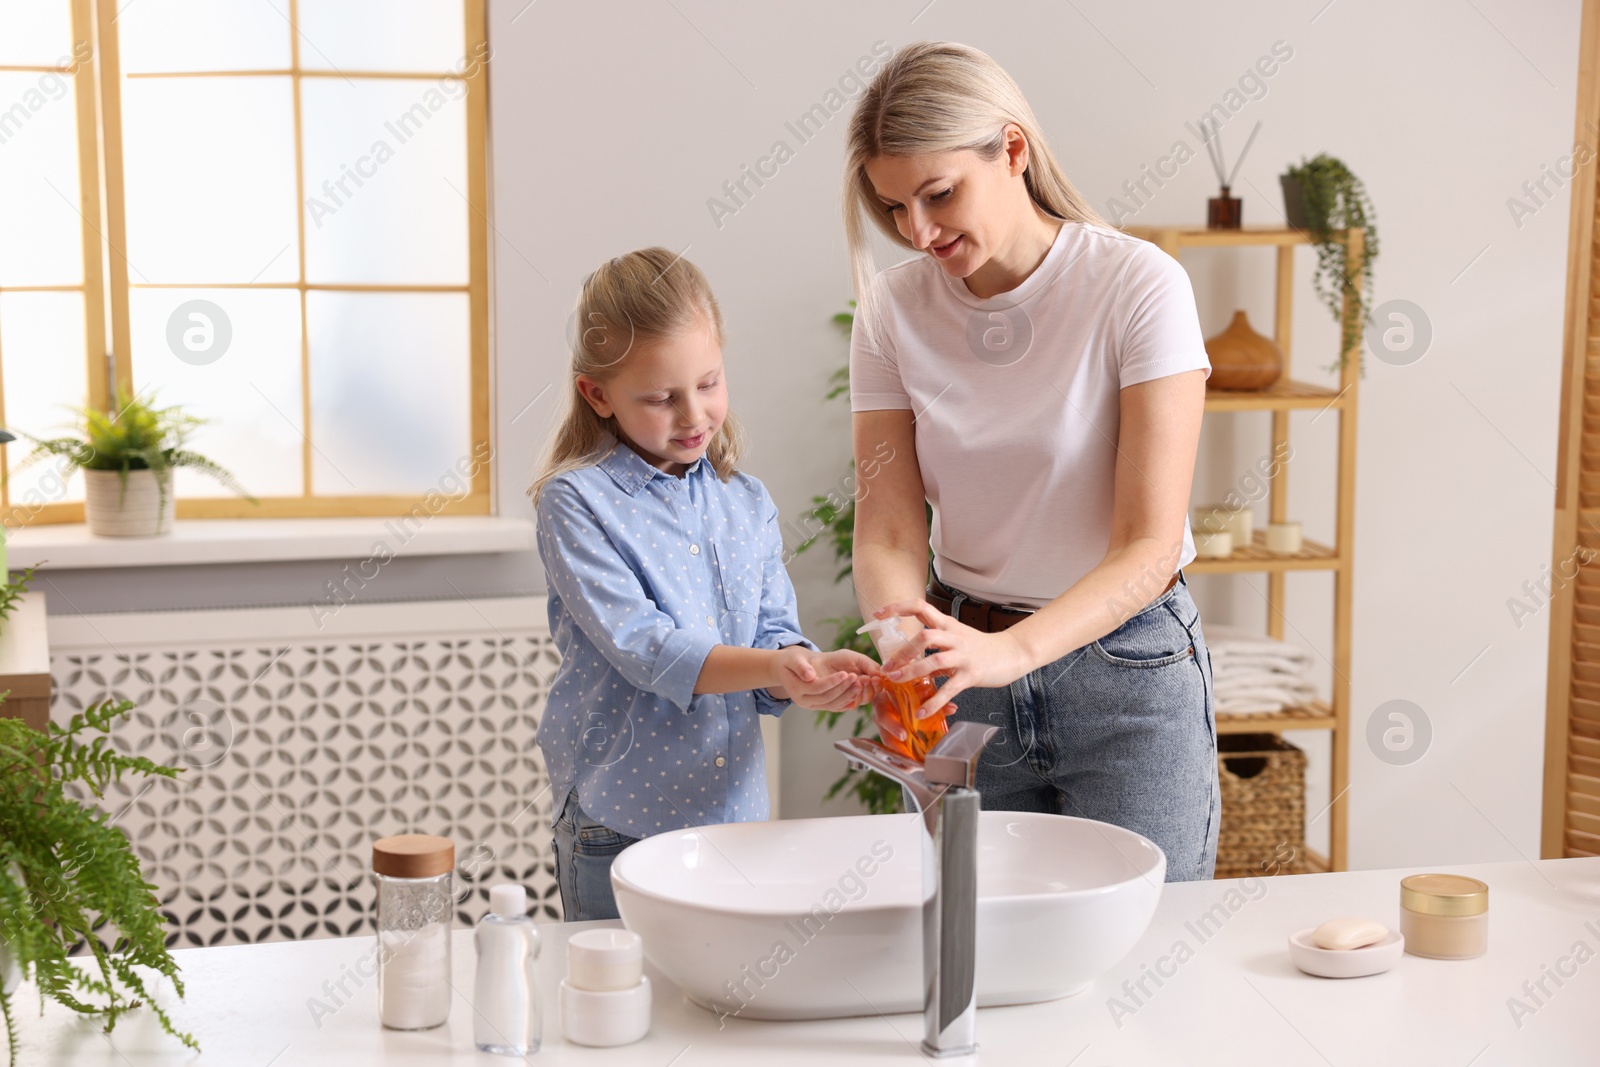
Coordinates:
(980, 614)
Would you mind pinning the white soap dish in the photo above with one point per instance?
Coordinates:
(1345, 963)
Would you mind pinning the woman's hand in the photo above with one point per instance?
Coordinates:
(967, 658)
(826, 681)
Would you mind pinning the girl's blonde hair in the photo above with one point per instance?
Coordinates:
(937, 96)
(648, 295)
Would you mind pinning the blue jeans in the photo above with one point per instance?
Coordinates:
(1122, 730)
(584, 850)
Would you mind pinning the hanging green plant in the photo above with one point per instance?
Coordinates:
(1323, 197)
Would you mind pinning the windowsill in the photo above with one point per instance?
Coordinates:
(70, 546)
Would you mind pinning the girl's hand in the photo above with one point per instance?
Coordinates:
(967, 658)
(826, 681)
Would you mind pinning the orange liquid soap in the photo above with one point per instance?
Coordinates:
(897, 703)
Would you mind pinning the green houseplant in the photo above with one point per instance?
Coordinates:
(5, 439)
(12, 590)
(128, 458)
(66, 871)
(832, 518)
(1322, 195)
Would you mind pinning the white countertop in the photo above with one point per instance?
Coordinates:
(1234, 999)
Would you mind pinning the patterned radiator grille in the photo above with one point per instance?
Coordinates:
(301, 749)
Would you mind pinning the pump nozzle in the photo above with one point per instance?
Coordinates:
(886, 635)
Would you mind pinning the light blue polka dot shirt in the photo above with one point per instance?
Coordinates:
(647, 573)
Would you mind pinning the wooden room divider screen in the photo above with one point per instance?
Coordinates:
(1571, 823)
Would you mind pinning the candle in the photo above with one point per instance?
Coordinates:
(1241, 524)
(1213, 544)
(1283, 538)
(1212, 517)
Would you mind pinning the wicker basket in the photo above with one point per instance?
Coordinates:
(1263, 806)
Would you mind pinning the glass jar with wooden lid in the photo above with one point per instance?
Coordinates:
(415, 905)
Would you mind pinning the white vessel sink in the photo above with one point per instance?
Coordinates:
(821, 918)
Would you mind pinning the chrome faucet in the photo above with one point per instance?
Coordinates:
(942, 791)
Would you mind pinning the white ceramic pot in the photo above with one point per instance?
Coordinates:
(137, 511)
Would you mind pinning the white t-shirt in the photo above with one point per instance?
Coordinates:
(1016, 401)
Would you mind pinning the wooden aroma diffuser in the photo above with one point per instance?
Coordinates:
(1241, 358)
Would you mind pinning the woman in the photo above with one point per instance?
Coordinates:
(1038, 378)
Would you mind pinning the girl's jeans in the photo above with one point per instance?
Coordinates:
(584, 850)
(1122, 730)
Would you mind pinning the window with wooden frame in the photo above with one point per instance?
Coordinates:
(271, 212)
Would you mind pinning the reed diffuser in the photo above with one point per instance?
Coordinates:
(1225, 212)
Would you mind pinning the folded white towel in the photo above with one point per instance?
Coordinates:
(1235, 644)
(1254, 677)
(1242, 706)
(1260, 661)
(1286, 695)
(1256, 674)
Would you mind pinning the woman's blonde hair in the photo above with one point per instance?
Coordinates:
(937, 96)
(648, 295)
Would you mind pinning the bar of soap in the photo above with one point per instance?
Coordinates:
(1347, 932)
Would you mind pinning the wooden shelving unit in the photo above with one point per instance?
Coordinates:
(1286, 396)
(25, 661)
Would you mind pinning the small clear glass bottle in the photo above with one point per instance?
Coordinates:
(505, 992)
(412, 873)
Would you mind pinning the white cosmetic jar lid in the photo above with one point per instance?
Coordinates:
(602, 1020)
(605, 960)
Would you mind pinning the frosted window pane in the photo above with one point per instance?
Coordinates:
(45, 366)
(180, 35)
(41, 235)
(34, 32)
(389, 391)
(388, 35)
(210, 179)
(386, 171)
(242, 371)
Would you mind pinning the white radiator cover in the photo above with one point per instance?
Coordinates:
(304, 743)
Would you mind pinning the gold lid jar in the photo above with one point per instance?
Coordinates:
(1444, 916)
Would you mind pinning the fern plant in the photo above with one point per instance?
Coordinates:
(834, 520)
(136, 436)
(65, 871)
(12, 590)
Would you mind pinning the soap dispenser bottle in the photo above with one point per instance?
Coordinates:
(505, 995)
(897, 702)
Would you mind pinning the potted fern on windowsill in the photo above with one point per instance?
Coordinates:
(127, 458)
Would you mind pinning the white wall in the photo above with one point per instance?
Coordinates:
(614, 123)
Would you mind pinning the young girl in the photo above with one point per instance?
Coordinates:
(669, 601)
